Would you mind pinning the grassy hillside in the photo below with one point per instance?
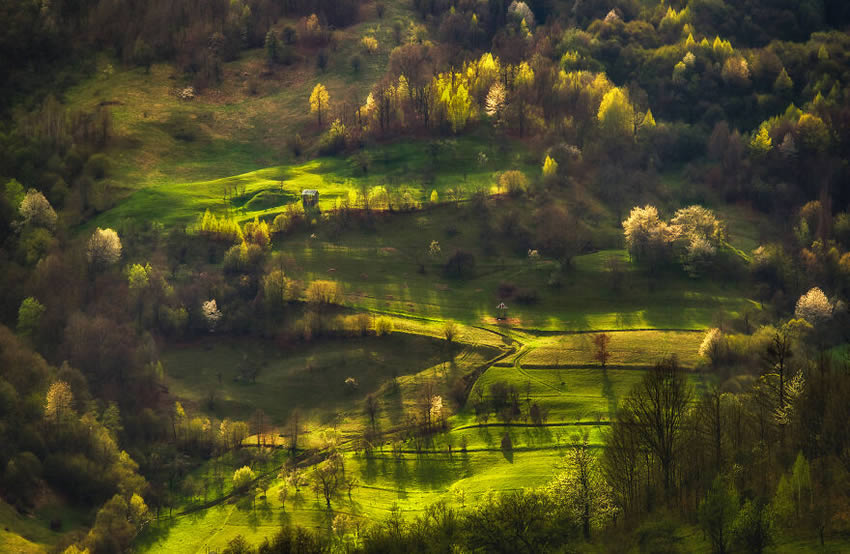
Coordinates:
(32, 533)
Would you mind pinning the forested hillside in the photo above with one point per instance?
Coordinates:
(424, 275)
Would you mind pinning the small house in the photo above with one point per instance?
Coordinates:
(309, 197)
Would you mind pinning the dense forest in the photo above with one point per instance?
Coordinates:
(573, 276)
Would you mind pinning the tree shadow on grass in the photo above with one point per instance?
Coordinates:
(609, 393)
(486, 436)
(369, 469)
(264, 510)
(535, 436)
(154, 534)
(401, 476)
(298, 501)
(284, 518)
(434, 472)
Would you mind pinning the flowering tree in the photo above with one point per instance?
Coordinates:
(211, 313)
(104, 248)
(814, 307)
(647, 236)
(712, 346)
(36, 210)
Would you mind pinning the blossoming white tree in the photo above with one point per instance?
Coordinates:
(211, 313)
(814, 307)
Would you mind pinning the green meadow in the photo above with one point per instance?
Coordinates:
(544, 347)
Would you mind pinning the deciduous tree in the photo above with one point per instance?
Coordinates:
(319, 101)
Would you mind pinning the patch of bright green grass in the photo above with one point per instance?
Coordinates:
(574, 395)
(409, 165)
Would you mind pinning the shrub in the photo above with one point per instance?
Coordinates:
(97, 166)
(513, 182)
(370, 44)
(257, 232)
(242, 478)
(324, 293)
(450, 331)
(460, 265)
(219, 229)
(384, 326)
(242, 258)
(334, 141)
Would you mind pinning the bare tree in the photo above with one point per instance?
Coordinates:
(259, 422)
(294, 429)
(326, 478)
(659, 405)
(600, 348)
(622, 462)
(777, 358)
(372, 408)
(580, 487)
(709, 424)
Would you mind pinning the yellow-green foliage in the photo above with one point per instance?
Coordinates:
(379, 198)
(454, 100)
(482, 74)
(291, 218)
(616, 114)
(761, 144)
(384, 326)
(319, 101)
(812, 133)
(550, 169)
(435, 198)
(223, 229)
(138, 276)
(278, 289)
(370, 44)
(513, 182)
(242, 477)
(257, 232)
(324, 293)
(648, 121)
(722, 48)
(354, 325)
(673, 19)
(524, 76)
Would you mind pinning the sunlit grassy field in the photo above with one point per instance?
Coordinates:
(25, 534)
